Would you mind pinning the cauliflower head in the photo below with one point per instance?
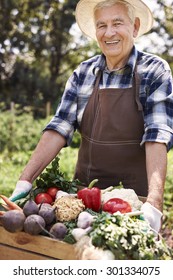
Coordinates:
(68, 208)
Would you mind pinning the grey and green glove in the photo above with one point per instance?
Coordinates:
(21, 190)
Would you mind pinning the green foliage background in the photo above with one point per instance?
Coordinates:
(19, 136)
(40, 47)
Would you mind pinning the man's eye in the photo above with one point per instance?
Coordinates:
(117, 23)
(101, 26)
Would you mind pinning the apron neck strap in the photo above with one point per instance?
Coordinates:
(137, 87)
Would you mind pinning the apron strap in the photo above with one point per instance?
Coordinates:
(137, 86)
(99, 74)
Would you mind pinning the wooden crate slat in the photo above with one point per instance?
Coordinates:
(11, 253)
(38, 244)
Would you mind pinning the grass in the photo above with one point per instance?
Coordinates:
(170, 164)
(12, 165)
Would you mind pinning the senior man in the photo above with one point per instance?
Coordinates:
(121, 102)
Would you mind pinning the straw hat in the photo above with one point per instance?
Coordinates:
(85, 16)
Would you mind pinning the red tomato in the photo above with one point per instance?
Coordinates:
(52, 191)
(43, 198)
(116, 204)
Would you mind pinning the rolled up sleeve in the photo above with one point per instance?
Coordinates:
(158, 111)
(64, 120)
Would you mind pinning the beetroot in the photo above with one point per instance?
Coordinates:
(58, 230)
(13, 220)
(30, 208)
(34, 224)
(47, 212)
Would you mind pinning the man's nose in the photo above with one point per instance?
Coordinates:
(110, 31)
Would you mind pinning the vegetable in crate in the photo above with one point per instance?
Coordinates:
(84, 220)
(86, 251)
(9, 205)
(91, 196)
(67, 208)
(30, 208)
(128, 195)
(34, 224)
(52, 176)
(52, 191)
(58, 230)
(46, 211)
(43, 197)
(116, 204)
(13, 220)
(78, 233)
(129, 238)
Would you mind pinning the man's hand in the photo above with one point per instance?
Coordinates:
(152, 215)
(21, 190)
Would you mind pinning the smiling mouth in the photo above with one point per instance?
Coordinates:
(115, 42)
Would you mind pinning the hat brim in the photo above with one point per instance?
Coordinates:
(85, 16)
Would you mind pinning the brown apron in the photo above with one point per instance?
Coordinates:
(112, 128)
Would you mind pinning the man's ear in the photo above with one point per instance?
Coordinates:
(136, 27)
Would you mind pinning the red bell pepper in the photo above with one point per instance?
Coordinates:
(116, 204)
(91, 196)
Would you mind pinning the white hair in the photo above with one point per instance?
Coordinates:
(110, 3)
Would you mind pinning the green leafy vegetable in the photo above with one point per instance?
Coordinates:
(70, 226)
(52, 176)
(128, 238)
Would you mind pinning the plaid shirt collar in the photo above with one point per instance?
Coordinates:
(101, 63)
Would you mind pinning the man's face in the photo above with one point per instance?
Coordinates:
(115, 34)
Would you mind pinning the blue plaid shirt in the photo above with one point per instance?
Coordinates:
(155, 94)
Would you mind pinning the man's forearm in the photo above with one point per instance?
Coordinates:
(156, 163)
(48, 147)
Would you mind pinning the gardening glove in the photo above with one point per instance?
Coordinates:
(152, 215)
(21, 190)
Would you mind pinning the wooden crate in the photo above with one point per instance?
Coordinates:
(23, 246)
